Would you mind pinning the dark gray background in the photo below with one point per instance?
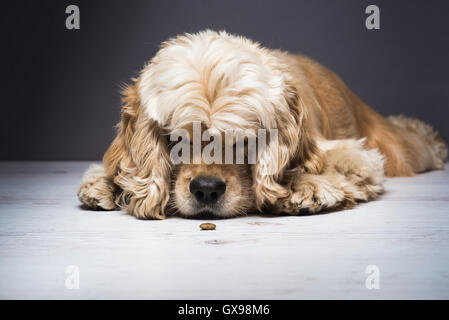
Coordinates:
(60, 88)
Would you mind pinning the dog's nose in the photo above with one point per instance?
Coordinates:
(206, 189)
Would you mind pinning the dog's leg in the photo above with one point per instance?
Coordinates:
(351, 174)
(96, 189)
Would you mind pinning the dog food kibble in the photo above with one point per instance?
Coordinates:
(207, 226)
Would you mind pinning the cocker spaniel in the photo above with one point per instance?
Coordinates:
(331, 149)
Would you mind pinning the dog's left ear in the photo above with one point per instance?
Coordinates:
(138, 160)
(295, 149)
(307, 157)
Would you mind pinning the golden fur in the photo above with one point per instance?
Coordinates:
(333, 149)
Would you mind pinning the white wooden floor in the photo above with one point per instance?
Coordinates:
(43, 230)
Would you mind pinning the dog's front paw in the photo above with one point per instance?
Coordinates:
(312, 197)
(96, 191)
(149, 207)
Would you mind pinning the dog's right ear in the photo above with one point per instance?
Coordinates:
(138, 160)
(119, 149)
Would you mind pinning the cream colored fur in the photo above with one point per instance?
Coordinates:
(97, 191)
(350, 174)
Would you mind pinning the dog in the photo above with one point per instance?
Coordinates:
(332, 149)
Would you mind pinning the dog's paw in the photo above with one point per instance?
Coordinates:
(151, 206)
(312, 197)
(96, 191)
(359, 165)
(96, 195)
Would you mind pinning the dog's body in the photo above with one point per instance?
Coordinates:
(333, 149)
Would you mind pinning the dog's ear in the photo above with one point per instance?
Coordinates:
(119, 149)
(307, 157)
(294, 149)
(138, 160)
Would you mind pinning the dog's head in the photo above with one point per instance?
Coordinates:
(219, 83)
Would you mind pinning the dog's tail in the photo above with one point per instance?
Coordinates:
(430, 137)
